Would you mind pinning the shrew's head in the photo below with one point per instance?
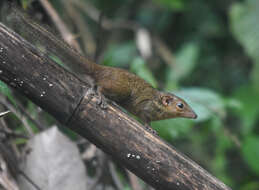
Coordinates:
(172, 106)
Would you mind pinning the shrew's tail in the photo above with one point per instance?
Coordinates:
(48, 42)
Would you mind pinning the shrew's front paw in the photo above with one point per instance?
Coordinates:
(147, 126)
(101, 100)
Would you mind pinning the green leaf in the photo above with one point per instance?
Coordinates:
(255, 75)
(248, 111)
(206, 103)
(244, 26)
(58, 61)
(127, 188)
(172, 4)
(233, 103)
(5, 90)
(253, 185)
(219, 164)
(120, 55)
(26, 3)
(250, 152)
(173, 128)
(20, 141)
(185, 61)
(139, 67)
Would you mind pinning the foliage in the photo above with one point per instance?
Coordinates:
(251, 153)
(211, 60)
(244, 19)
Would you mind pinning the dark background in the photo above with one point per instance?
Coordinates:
(203, 50)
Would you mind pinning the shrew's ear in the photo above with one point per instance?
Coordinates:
(167, 100)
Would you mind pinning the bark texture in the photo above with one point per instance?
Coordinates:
(73, 103)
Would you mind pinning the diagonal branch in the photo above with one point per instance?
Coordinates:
(65, 97)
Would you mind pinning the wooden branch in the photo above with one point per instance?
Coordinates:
(66, 98)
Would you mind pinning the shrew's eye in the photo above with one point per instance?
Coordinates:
(180, 105)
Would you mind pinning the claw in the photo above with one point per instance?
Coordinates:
(101, 100)
(90, 93)
(147, 126)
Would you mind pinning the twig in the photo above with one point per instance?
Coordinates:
(150, 188)
(89, 153)
(84, 32)
(5, 179)
(107, 24)
(13, 134)
(99, 38)
(19, 114)
(8, 156)
(29, 180)
(4, 113)
(164, 51)
(100, 169)
(115, 176)
(13, 145)
(232, 137)
(61, 26)
(134, 182)
(9, 133)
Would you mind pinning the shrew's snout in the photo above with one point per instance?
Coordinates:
(190, 114)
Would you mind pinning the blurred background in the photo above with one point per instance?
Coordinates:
(203, 51)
